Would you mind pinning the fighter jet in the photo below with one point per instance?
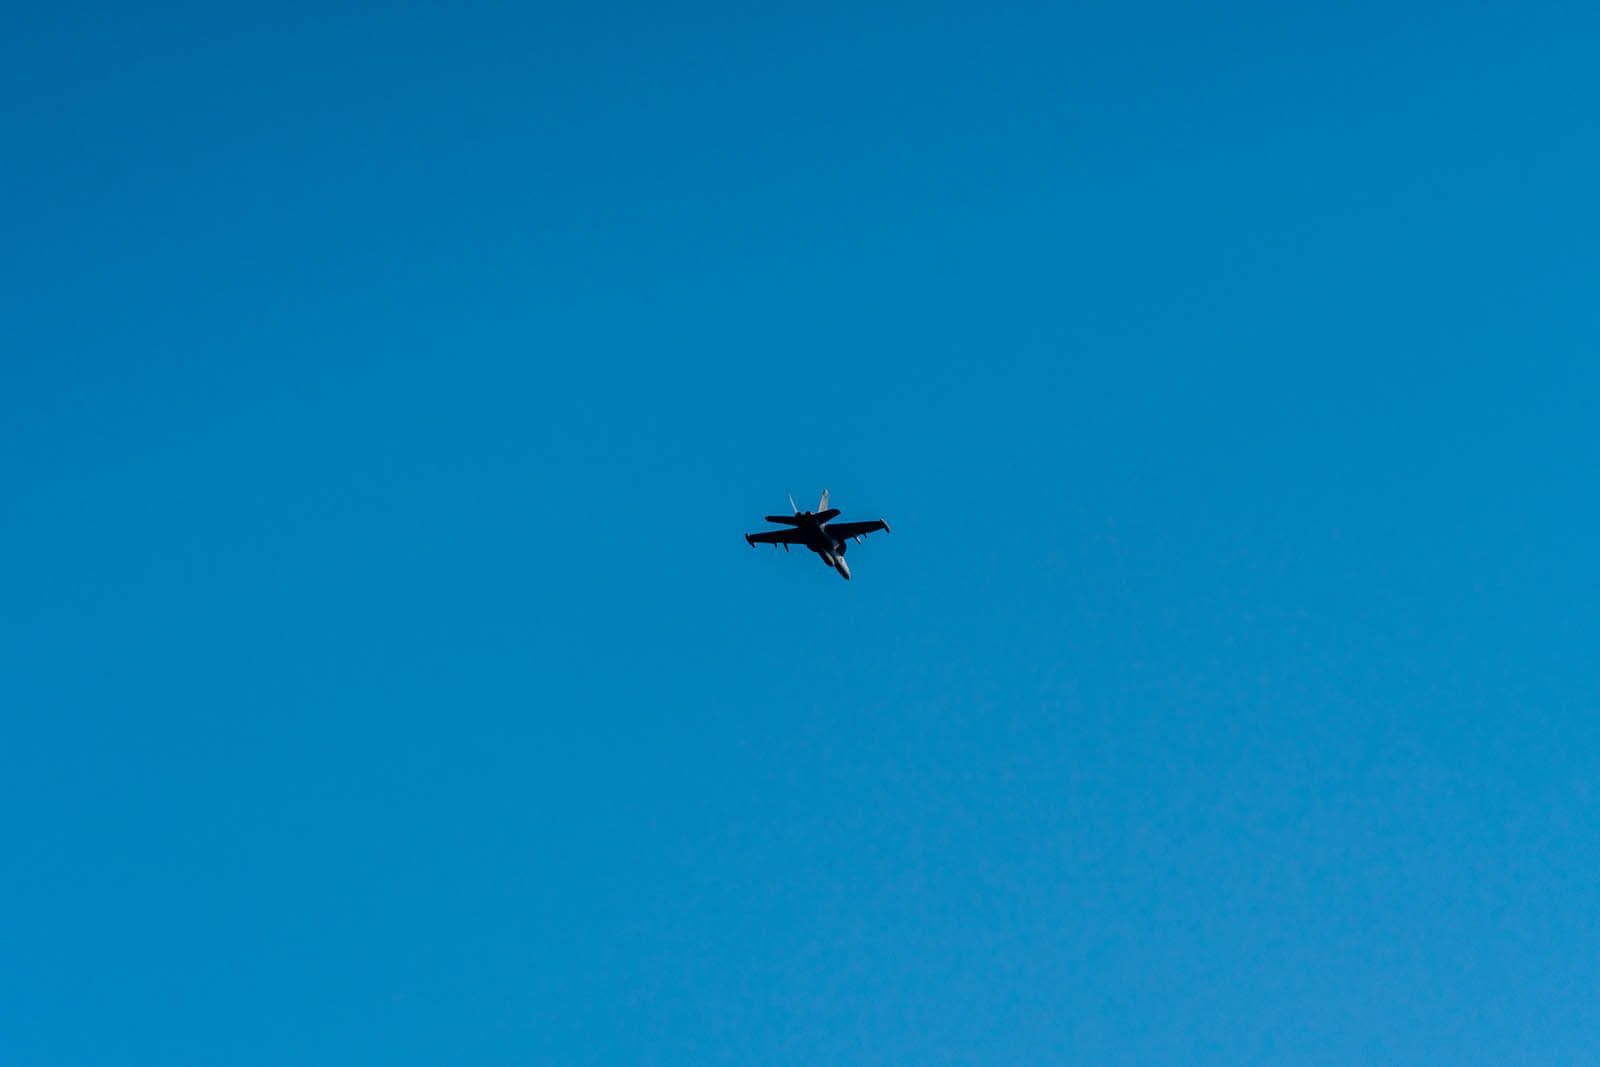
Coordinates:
(812, 529)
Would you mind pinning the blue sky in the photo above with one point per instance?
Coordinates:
(385, 397)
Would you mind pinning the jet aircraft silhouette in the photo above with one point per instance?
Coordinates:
(814, 530)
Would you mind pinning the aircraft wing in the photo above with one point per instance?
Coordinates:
(776, 537)
(856, 529)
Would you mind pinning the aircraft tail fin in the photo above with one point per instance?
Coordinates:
(823, 505)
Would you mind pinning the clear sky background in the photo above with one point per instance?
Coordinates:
(384, 677)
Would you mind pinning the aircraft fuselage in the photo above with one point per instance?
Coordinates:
(824, 544)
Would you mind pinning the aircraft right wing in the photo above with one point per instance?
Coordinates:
(856, 529)
(776, 537)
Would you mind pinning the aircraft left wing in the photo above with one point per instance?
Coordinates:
(776, 537)
(856, 529)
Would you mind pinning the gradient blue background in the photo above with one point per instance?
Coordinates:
(383, 676)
